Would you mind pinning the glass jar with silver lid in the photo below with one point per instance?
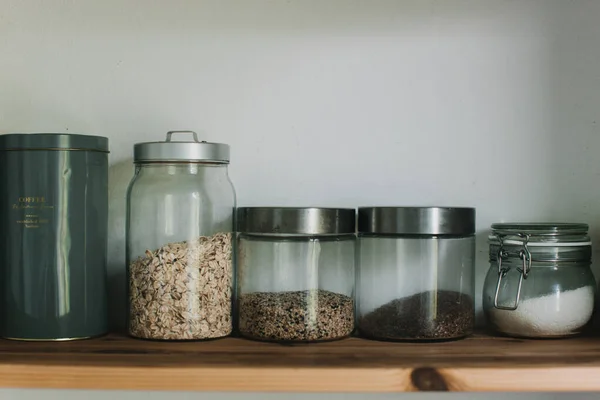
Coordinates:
(296, 273)
(415, 274)
(540, 283)
(180, 219)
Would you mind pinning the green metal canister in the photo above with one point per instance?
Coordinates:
(53, 221)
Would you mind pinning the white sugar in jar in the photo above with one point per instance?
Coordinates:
(540, 284)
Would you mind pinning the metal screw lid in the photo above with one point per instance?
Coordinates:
(296, 220)
(181, 151)
(416, 220)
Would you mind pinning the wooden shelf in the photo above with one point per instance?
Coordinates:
(480, 363)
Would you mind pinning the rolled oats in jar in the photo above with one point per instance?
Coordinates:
(179, 241)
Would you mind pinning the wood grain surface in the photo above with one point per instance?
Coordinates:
(479, 363)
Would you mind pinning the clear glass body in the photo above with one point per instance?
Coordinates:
(556, 300)
(296, 289)
(415, 288)
(180, 219)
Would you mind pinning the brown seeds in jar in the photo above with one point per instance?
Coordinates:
(182, 291)
(304, 316)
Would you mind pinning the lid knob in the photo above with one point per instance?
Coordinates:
(170, 135)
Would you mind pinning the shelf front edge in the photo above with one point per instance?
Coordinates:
(522, 379)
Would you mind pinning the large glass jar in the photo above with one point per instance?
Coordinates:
(180, 209)
(540, 283)
(415, 275)
(296, 273)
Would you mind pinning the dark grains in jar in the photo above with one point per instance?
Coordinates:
(432, 315)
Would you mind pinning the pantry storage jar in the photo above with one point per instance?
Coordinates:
(53, 214)
(296, 273)
(415, 276)
(540, 283)
(180, 219)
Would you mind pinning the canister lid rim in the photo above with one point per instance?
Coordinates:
(53, 141)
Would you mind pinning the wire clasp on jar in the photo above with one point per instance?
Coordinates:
(525, 256)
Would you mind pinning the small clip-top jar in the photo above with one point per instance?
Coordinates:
(180, 208)
(415, 277)
(540, 283)
(296, 273)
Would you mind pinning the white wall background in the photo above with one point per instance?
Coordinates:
(485, 103)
